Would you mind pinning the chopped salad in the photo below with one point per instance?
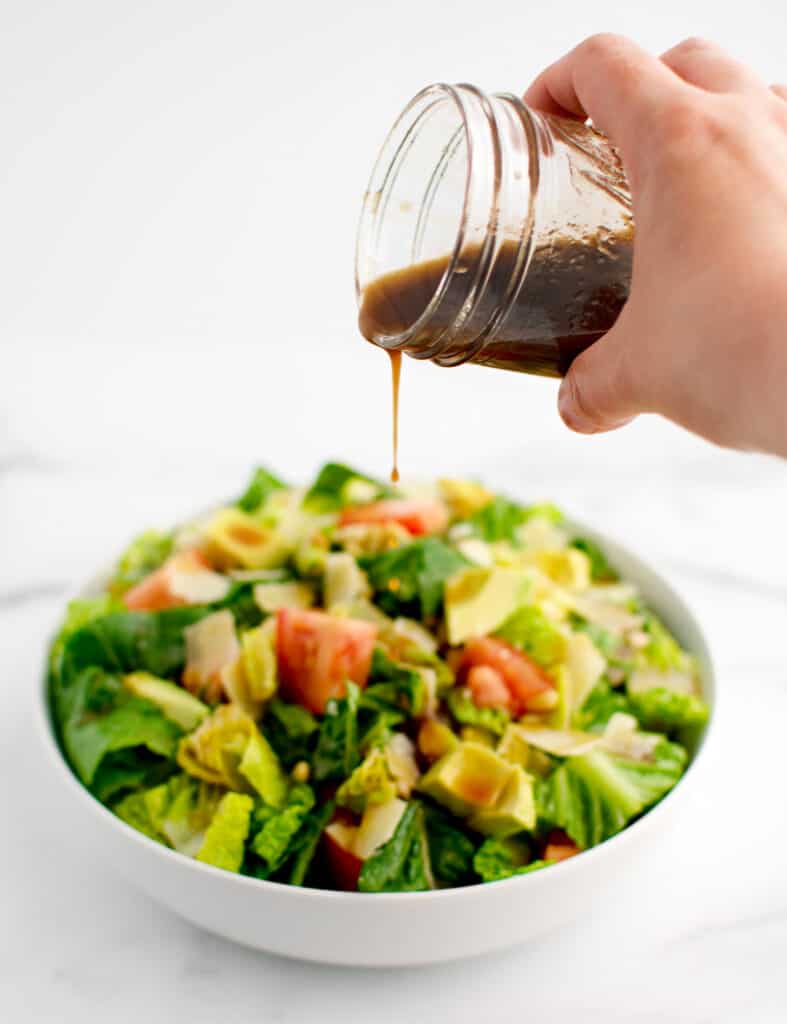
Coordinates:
(376, 690)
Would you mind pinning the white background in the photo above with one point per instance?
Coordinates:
(180, 188)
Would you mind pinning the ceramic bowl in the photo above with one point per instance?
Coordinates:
(384, 929)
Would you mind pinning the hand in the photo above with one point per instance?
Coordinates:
(703, 336)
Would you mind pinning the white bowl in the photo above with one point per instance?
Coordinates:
(388, 929)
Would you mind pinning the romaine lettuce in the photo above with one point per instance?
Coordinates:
(369, 783)
(332, 489)
(596, 795)
(337, 750)
(402, 864)
(410, 580)
(601, 704)
(531, 631)
(277, 829)
(466, 712)
(291, 731)
(503, 858)
(225, 838)
(394, 684)
(666, 711)
(261, 485)
(451, 849)
(600, 569)
(143, 555)
(307, 841)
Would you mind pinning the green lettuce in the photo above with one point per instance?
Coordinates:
(466, 712)
(105, 730)
(143, 555)
(501, 858)
(291, 731)
(394, 684)
(529, 630)
(277, 829)
(176, 812)
(501, 518)
(601, 704)
(225, 839)
(378, 727)
(662, 651)
(240, 601)
(131, 642)
(261, 485)
(307, 842)
(402, 864)
(594, 796)
(451, 850)
(337, 751)
(369, 783)
(663, 710)
(332, 489)
(80, 612)
(410, 580)
(600, 569)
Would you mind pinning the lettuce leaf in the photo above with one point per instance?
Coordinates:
(291, 731)
(531, 631)
(410, 580)
(131, 641)
(370, 783)
(602, 703)
(594, 796)
(225, 838)
(337, 752)
(102, 725)
(600, 569)
(278, 829)
(662, 710)
(466, 712)
(261, 485)
(662, 651)
(133, 809)
(394, 684)
(331, 491)
(143, 555)
(240, 601)
(308, 840)
(451, 849)
(503, 858)
(402, 864)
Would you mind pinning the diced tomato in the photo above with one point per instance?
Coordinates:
(418, 517)
(318, 653)
(523, 678)
(154, 592)
(559, 846)
(488, 688)
(343, 864)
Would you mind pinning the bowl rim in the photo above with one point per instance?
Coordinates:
(46, 730)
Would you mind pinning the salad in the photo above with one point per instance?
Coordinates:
(361, 688)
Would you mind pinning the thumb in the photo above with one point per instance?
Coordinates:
(598, 393)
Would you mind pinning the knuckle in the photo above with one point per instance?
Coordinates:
(693, 45)
(602, 46)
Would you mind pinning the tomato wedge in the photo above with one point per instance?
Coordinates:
(488, 688)
(559, 846)
(418, 517)
(318, 653)
(154, 592)
(523, 678)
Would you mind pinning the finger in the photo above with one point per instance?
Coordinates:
(780, 90)
(609, 79)
(707, 66)
(599, 393)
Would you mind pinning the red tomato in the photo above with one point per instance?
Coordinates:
(488, 688)
(521, 675)
(559, 846)
(344, 865)
(153, 592)
(317, 653)
(416, 516)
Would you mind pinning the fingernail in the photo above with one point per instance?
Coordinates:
(570, 412)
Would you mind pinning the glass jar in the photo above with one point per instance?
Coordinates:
(492, 233)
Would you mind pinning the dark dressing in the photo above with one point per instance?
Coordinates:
(396, 370)
(572, 294)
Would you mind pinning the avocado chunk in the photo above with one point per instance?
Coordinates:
(515, 810)
(176, 704)
(469, 778)
(478, 600)
(237, 539)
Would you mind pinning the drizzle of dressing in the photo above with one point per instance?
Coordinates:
(396, 370)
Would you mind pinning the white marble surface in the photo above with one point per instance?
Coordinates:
(152, 348)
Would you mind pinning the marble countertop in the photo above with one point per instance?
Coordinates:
(155, 343)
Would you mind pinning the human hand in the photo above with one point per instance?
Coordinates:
(702, 339)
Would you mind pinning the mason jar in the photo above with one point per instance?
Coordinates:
(492, 233)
